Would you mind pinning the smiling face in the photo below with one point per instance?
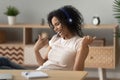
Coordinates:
(61, 29)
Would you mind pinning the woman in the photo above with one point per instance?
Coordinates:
(68, 48)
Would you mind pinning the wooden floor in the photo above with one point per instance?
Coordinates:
(98, 79)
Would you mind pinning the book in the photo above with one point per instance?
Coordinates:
(6, 76)
(34, 74)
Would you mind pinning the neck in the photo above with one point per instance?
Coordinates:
(68, 36)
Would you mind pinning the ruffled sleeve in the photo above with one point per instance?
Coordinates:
(78, 44)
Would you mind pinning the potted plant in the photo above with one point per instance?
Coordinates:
(11, 12)
(116, 9)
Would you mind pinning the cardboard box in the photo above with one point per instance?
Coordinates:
(98, 42)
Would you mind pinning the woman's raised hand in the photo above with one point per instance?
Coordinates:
(87, 40)
(42, 41)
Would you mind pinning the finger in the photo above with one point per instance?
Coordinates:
(94, 37)
(39, 36)
(88, 37)
(44, 35)
(91, 38)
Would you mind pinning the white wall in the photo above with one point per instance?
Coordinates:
(31, 11)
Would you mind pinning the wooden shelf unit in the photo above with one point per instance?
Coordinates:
(15, 49)
(102, 56)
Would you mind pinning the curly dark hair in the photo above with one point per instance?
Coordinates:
(69, 16)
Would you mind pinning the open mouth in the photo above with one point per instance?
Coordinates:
(59, 33)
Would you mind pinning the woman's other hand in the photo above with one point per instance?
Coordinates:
(87, 40)
(42, 41)
(82, 52)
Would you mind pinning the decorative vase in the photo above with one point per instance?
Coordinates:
(11, 20)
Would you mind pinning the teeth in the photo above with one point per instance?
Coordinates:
(58, 32)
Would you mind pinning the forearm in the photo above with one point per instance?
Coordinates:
(80, 58)
(79, 67)
(38, 45)
(39, 59)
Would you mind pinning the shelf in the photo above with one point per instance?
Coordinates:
(103, 56)
(23, 36)
(101, 46)
(12, 44)
(24, 26)
(102, 26)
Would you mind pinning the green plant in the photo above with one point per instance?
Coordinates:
(116, 9)
(11, 11)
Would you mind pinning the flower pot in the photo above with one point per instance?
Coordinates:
(11, 20)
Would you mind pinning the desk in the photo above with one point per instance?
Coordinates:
(53, 75)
